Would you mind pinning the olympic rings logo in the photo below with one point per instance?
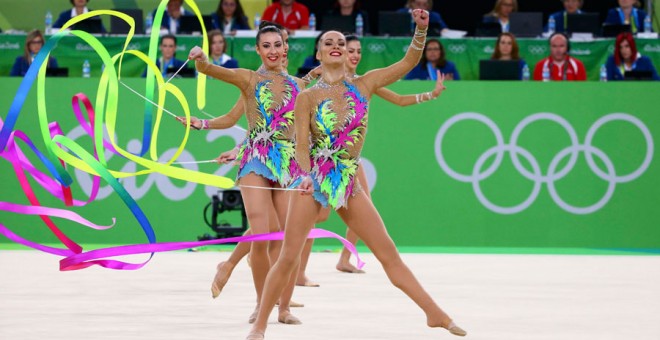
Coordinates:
(553, 173)
(377, 48)
(297, 47)
(457, 49)
(537, 49)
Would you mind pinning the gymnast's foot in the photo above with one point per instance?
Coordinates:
(305, 282)
(222, 275)
(292, 304)
(253, 316)
(453, 329)
(349, 268)
(449, 325)
(255, 335)
(286, 317)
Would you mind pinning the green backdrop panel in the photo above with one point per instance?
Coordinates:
(441, 176)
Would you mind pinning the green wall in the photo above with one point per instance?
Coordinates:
(420, 202)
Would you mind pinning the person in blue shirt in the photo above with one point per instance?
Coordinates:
(506, 48)
(310, 62)
(433, 60)
(626, 58)
(34, 41)
(172, 16)
(218, 49)
(561, 17)
(500, 13)
(167, 63)
(627, 14)
(79, 7)
(436, 24)
(229, 17)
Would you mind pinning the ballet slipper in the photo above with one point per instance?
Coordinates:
(349, 268)
(221, 277)
(454, 329)
(254, 335)
(253, 317)
(287, 318)
(292, 304)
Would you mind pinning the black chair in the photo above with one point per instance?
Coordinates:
(490, 69)
(488, 29)
(119, 26)
(612, 30)
(394, 24)
(189, 24)
(57, 72)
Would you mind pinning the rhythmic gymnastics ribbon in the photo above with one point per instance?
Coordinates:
(61, 151)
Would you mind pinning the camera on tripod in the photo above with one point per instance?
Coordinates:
(224, 202)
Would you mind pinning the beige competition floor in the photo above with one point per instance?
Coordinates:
(494, 297)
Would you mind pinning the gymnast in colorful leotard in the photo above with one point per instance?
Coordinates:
(267, 154)
(331, 125)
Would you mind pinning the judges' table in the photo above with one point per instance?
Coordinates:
(377, 52)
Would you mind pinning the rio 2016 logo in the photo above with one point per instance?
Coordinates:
(554, 173)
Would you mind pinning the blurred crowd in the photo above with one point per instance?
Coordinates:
(229, 19)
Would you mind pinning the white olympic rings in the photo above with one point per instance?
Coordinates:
(553, 174)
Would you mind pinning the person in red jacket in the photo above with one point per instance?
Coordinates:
(288, 13)
(560, 65)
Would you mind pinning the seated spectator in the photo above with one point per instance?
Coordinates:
(290, 14)
(218, 47)
(167, 63)
(229, 17)
(433, 59)
(626, 58)
(174, 12)
(350, 8)
(561, 17)
(34, 41)
(500, 13)
(310, 62)
(436, 24)
(79, 7)
(506, 48)
(560, 64)
(627, 14)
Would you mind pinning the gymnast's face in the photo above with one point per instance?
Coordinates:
(354, 49)
(271, 49)
(332, 49)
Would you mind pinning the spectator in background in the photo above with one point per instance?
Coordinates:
(627, 14)
(229, 17)
(500, 13)
(350, 8)
(506, 48)
(218, 47)
(436, 24)
(561, 17)
(34, 41)
(626, 58)
(433, 60)
(172, 16)
(560, 64)
(310, 62)
(167, 63)
(79, 7)
(291, 14)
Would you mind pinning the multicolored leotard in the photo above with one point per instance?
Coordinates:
(269, 148)
(338, 127)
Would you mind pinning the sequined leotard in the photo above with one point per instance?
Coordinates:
(338, 127)
(269, 148)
